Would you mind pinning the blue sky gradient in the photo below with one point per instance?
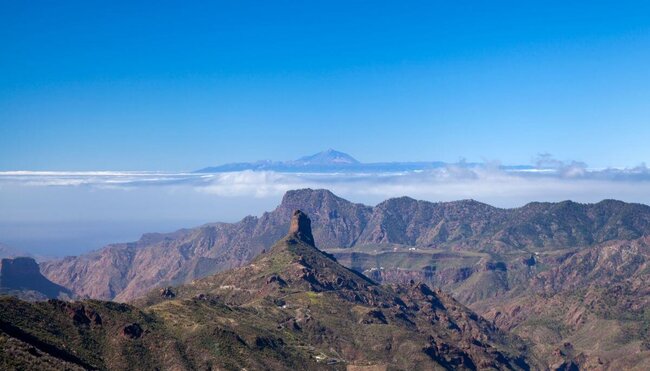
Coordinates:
(88, 85)
(165, 87)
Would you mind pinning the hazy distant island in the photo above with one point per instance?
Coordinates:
(335, 161)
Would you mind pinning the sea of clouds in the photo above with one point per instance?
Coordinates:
(491, 183)
(70, 212)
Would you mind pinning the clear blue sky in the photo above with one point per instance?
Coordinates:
(98, 85)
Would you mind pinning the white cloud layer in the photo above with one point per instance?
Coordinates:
(550, 180)
(57, 213)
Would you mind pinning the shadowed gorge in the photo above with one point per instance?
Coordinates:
(22, 277)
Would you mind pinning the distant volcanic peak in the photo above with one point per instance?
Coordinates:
(301, 227)
(329, 157)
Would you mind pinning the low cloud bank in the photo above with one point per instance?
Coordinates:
(550, 180)
(59, 213)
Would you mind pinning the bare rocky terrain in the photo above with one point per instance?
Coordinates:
(292, 307)
(125, 271)
(571, 278)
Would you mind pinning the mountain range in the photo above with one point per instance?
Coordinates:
(558, 275)
(125, 271)
(293, 307)
(336, 161)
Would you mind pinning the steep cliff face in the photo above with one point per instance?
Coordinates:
(124, 271)
(22, 277)
(410, 222)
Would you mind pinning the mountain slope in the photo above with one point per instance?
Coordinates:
(293, 307)
(88, 335)
(307, 304)
(591, 305)
(594, 304)
(124, 271)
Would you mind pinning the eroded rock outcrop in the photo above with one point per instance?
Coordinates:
(300, 227)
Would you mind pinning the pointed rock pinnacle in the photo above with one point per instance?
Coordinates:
(301, 227)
